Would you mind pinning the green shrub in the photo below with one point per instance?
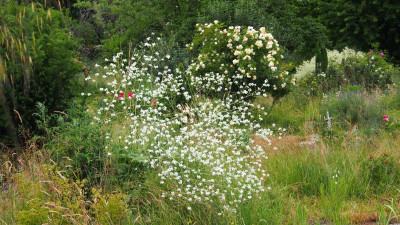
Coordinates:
(120, 23)
(237, 61)
(359, 24)
(75, 141)
(369, 70)
(307, 68)
(87, 29)
(88, 38)
(301, 36)
(158, 47)
(36, 62)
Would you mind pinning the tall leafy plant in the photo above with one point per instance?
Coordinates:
(36, 61)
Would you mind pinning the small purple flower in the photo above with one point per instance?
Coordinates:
(370, 52)
(381, 54)
(7, 185)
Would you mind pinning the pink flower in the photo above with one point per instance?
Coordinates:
(130, 95)
(370, 52)
(381, 54)
(385, 118)
(154, 101)
(121, 95)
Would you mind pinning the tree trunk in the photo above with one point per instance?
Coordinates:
(10, 126)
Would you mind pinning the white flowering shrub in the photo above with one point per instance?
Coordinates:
(202, 149)
(370, 70)
(307, 68)
(237, 61)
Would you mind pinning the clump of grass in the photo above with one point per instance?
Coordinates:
(382, 173)
(303, 172)
(38, 193)
(290, 112)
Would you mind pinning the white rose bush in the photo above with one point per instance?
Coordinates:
(201, 147)
(238, 60)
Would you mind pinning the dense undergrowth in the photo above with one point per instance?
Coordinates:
(136, 150)
(241, 126)
(347, 177)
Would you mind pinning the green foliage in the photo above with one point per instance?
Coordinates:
(387, 218)
(288, 112)
(300, 36)
(38, 57)
(370, 71)
(333, 198)
(304, 175)
(88, 37)
(47, 197)
(359, 24)
(268, 208)
(33, 213)
(321, 60)
(395, 101)
(348, 108)
(73, 140)
(124, 22)
(159, 47)
(88, 28)
(120, 23)
(382, 173)
(109, 208)
(311, 178)
(240, 58)
(55, 4)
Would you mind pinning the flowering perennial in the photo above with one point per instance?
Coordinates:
(202, 148)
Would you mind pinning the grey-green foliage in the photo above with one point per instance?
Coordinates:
(348, 108)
